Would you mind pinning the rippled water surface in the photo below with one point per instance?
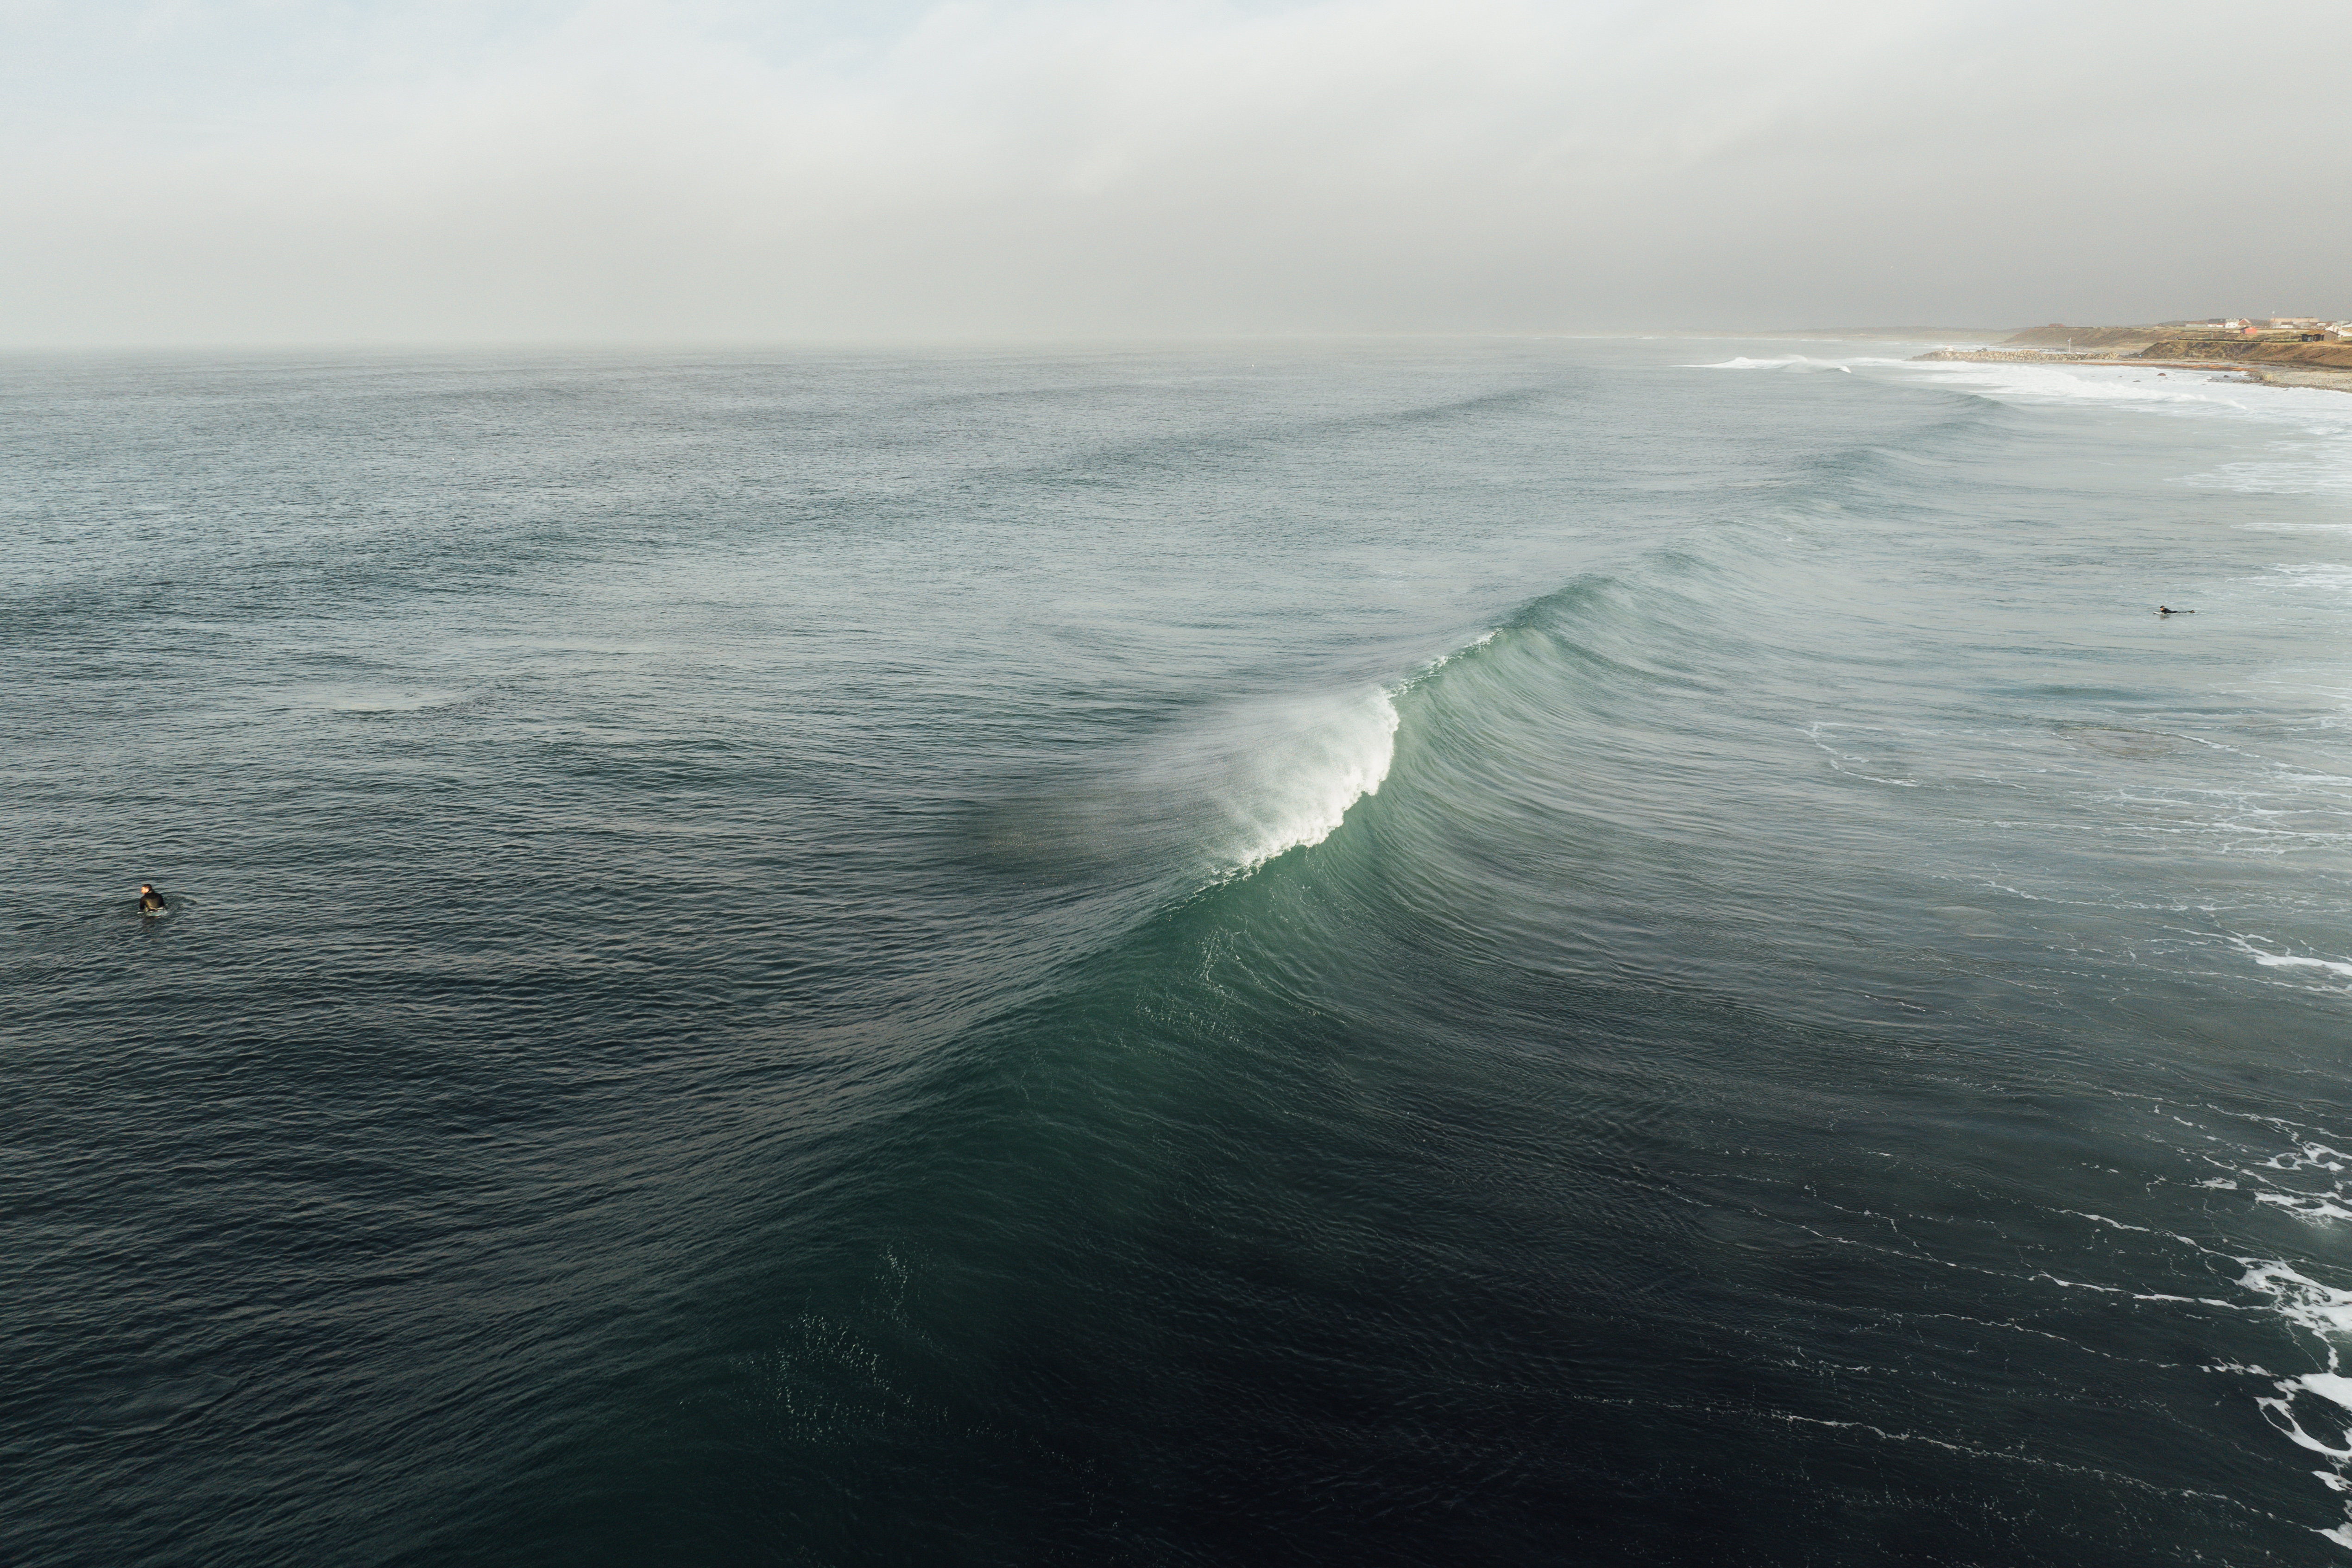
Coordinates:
(1499, 952)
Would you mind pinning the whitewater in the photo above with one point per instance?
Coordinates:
(1504, 951)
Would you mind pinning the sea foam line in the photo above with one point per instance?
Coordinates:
(2269, 960)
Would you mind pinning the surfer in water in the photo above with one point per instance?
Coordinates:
(150, 901)
(2168, 610)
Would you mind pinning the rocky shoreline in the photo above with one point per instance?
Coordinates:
(2298, 376)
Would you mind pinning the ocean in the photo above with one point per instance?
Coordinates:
(1446, 951)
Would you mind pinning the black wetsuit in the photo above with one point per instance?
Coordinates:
(151, 903)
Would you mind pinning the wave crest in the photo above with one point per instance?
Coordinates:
(1298, 793)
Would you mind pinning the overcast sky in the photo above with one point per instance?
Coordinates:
(282, 171)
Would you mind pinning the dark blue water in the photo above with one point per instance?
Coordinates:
(1504, 952)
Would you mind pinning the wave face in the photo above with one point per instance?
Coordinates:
(1510, 954)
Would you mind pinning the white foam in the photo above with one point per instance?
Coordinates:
(2327, 576)
(2025, 381)
(2327, 1313)
(2269, 960)
(2322, 1310)
(1299, 793)
(2311, 451)
(1304, 784)
(2301, 1202)
(2307, 1157)
(1798, 363)
(2308, 1409)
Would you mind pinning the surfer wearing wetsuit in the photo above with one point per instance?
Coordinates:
(150, 901)
(2168, 610)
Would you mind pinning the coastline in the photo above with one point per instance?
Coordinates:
(2328, 378)
(2300, 376)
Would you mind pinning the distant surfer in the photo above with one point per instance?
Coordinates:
(150, 901)
(2168, 609)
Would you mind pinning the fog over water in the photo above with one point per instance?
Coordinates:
(313, 173)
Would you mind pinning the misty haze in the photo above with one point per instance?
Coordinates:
(316, 174)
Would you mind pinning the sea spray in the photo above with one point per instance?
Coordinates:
(1297, 793)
